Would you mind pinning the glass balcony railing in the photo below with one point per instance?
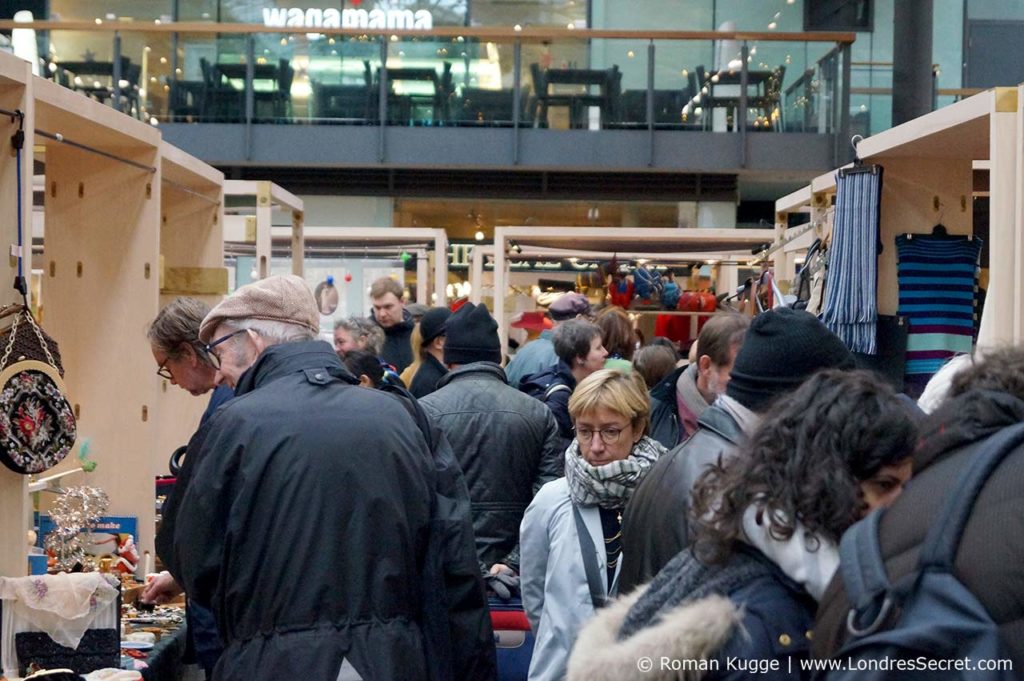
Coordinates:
(538, 78)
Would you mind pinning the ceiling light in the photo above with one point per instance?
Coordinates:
(479, 236)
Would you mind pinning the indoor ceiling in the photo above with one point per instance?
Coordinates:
(462, 218)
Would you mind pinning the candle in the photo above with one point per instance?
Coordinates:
(147, 562)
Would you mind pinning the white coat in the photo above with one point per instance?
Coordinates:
(553, 580)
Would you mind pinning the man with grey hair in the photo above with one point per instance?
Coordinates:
(308, 528)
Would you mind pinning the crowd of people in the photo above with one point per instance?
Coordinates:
(347, 512)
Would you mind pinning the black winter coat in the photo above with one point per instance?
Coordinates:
(507, 444)
(655, 525)
(310, 535)
(425, 380)
(990, 559)
(539, 384)
(665, 411)
(397, 350)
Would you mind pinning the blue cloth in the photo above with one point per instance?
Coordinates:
(851, 298)
(221, 394)
(532, 358)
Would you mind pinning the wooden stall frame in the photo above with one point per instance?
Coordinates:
(481, 252)
(526, 237)
(101, 288)
(105, 244)
(191, 264)
(269, 196)
(928, 164)
(416, 241)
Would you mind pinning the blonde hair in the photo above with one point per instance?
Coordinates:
(418, 353)
(619, 392)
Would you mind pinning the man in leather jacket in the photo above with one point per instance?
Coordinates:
(506, 442)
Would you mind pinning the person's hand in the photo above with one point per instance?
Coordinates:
(502, 581)
(161, 589)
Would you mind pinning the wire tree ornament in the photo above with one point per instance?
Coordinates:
(75, 510)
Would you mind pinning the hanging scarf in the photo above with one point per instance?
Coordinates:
(610, 485)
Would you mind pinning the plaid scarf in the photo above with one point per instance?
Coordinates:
(610, 485)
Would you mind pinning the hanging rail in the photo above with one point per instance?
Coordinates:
(188, 190)
(56, 136)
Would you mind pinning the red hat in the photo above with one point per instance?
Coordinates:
(532, 321)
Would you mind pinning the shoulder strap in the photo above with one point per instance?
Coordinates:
(597, 596)
(940, 545)
(861, 563)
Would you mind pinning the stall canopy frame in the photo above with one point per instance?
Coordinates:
(258, 229)
(612, 240)
(415, 240)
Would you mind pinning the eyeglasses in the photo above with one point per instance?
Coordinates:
(163, 372)
(609, 435)
(208, 348)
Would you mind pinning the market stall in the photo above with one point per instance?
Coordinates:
(926, 169)
(688, 244)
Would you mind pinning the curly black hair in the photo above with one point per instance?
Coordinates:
(805, 462)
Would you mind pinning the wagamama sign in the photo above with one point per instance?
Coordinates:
(297, 17)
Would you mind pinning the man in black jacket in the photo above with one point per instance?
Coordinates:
(781, 349)
(319, 538)
(397, 323)
(505, 441)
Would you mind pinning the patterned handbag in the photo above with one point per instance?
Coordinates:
(37, 423)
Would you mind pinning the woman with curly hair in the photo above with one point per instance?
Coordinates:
(742, 599)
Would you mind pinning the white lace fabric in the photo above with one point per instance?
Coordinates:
(64, 606)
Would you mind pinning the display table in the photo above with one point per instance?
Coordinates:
(164, 661)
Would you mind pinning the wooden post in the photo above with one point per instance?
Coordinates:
(1002, 317)
(298, 244)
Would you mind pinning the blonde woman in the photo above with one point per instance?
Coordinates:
(570, 538)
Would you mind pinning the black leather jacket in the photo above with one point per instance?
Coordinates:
(655, 525)
(507, 445)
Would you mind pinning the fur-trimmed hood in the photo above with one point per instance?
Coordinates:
(687, 634)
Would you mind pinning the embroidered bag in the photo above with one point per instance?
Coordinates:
(37, 424)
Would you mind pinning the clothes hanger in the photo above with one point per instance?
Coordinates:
(859, 167)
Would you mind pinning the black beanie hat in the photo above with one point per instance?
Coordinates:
(781, 349)
(471, 335)
(432, 323)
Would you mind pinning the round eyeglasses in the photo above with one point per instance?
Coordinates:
(608, 435)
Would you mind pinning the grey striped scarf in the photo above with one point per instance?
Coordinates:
(851, 301)
(610, 485)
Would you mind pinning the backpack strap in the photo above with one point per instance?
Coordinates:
(590, 566)
(940, 545)
(557, 387)
(864, 577)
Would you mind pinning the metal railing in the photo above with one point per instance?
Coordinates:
(587, 79)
